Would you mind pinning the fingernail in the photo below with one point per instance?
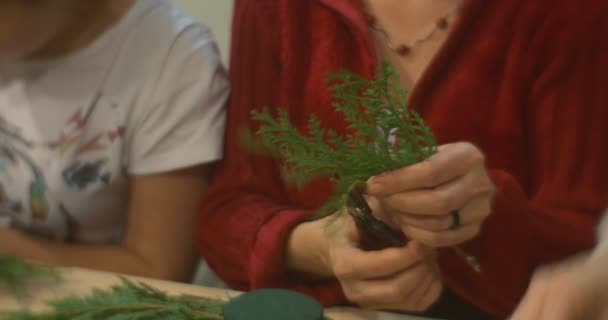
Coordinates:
(372, 202)
(372, 179)
(373, 186)
(377, 177)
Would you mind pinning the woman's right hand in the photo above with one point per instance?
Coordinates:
(405, 279)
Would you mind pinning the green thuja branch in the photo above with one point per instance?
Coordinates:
(14, 272)
(384, 135)
(128, 301)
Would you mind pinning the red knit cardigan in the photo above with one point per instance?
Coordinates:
(526, 81)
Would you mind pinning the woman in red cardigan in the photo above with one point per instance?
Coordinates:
(520, 80)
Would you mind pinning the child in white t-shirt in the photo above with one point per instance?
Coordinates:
(111, 112)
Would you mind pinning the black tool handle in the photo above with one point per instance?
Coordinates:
(374, 233)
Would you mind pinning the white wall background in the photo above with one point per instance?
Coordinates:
(217, 14)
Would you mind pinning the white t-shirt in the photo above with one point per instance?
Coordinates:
(147, 97)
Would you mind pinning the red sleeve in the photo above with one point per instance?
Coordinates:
(555, 213)
(246, 217)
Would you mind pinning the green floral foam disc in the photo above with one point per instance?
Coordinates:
(273, 304)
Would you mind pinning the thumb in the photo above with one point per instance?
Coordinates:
(379, 212)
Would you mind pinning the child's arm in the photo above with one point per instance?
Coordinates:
(602, 241)
(159, 238)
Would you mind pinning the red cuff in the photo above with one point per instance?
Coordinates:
(267, 262)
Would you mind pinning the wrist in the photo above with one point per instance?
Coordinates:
(307, 252)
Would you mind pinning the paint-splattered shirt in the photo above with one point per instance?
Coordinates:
(146, 97)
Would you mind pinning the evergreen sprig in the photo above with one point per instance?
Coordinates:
(128, 301)
(384, 135)
(14, 272)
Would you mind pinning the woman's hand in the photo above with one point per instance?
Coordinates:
(576, 289)
(405, 279)
(392, 279)
(439, 202)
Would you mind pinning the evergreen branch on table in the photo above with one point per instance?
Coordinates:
(14, 272)
(128, 301)
(385, 135)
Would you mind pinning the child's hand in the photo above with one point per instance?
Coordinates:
(573, 290)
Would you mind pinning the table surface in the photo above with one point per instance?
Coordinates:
(77, 281)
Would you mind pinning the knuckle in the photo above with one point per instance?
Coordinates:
(471, 233)
(432, 174)
(433, 296)
(403, 289)
(354, 296)
(442, 202)
(475, 154)
(476, 230)
(393, 204)
(487, 186)
(439, 224)
(486, 211)
(343, 269)
(446, 223)
(396, 290)
(438, 238)
(423, 302)
(481, 208)
(435, 239)
(487, 203)
(411, 256)
(492, 188)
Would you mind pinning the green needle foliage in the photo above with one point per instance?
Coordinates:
(14, 272)
(386, 135)
(128, 301)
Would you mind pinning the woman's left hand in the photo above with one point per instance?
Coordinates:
(440, 202)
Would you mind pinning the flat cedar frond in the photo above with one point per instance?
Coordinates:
(14, 272)
(387, 135)
(128, 301)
